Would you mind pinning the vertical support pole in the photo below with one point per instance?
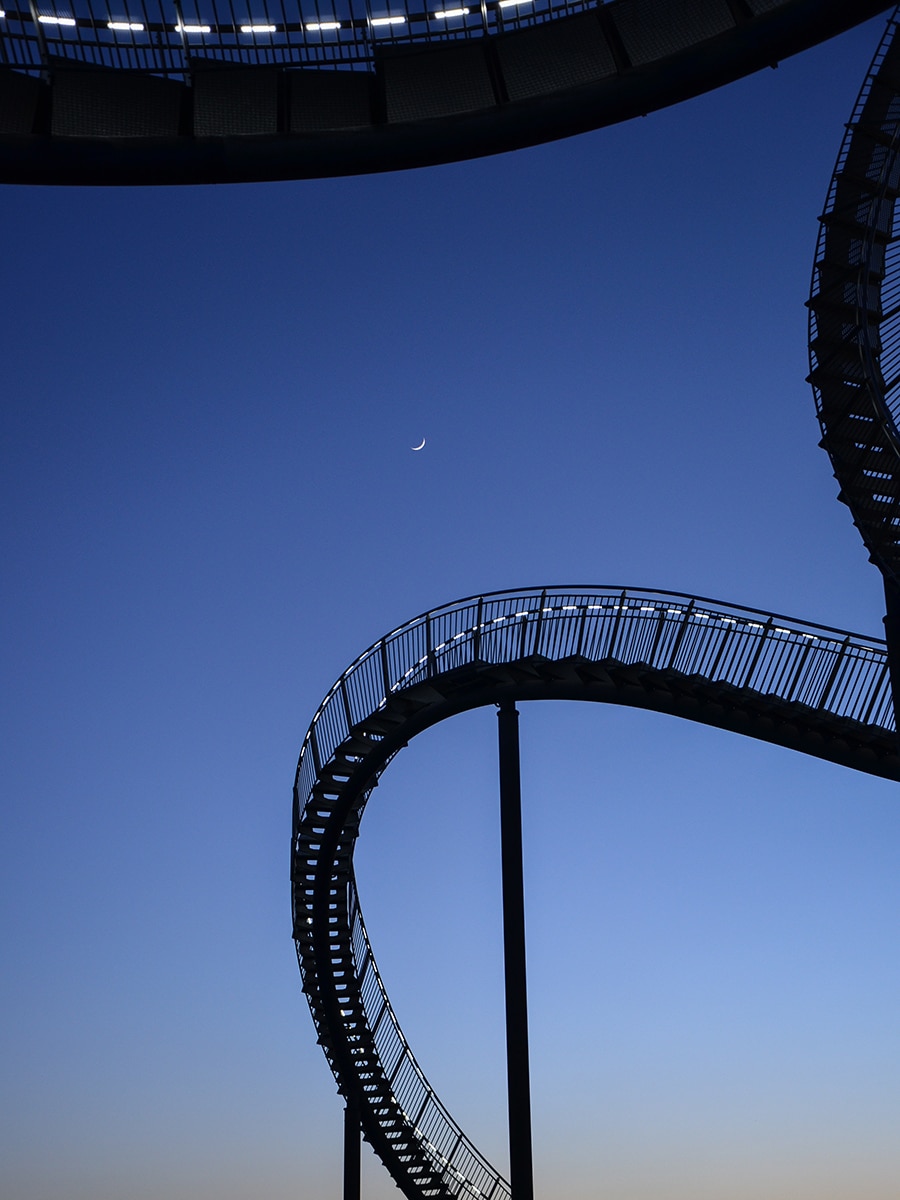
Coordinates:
(351, 1147)
(892, 637)
(521, 1168)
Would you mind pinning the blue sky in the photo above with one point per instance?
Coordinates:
(212, 507)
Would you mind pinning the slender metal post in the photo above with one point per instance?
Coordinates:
(892, 637)
(521, 1168)
(351, 1148)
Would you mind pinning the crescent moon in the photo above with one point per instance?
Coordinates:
(421, 446)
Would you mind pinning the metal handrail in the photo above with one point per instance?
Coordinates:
(823, 669)
(464, 1165)
(361, 690)
(162, 36)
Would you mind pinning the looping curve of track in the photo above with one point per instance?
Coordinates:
(822, 691)
(854, 335)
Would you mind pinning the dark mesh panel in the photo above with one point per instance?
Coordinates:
(90, 103)
(763, 6)
(232, 102)
(323, 100)
(552, 57)
(653, 29)
(437, 83)
(18, 102)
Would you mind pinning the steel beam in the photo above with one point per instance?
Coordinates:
(351, 1148)
(521, 1171)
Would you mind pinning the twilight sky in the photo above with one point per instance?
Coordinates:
(212, 508)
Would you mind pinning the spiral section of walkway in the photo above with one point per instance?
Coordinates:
(855, 312)
(821, 691)
(198, 91)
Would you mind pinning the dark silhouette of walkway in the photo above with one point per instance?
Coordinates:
(86, 100)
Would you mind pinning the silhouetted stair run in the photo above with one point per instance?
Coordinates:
(848, 323)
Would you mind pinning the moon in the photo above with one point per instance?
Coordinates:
(421, 445)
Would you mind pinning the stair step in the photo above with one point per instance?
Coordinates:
(859, 228)
(869, 187)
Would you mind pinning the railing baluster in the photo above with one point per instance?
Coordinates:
(679, 636)
(714, 665)
(581, 625)
(314, 746)
(342, 687)
(876, 690)
(757, 653)
(429, 647)
(418, 1117)
(657, 637)
(620, 608)
(536, 647)
(381, 1012)
(385, 672)
(798, 673)
(523, 636)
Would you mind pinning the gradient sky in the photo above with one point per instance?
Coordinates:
(212, 508)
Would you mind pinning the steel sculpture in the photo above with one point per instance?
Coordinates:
(195, 91)
(821, 691)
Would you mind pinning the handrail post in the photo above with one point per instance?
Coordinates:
(542, 603)
(351, 1147)
(757, 653)
(385, 671)
(429, 647)
(613, 637)
(833, 673)
(521, 1170)
(679, 636)
(314, 746)
(476, 640)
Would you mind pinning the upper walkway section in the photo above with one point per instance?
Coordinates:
(192, 91)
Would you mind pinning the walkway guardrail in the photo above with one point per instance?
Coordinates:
(843, 673)
(167, 36)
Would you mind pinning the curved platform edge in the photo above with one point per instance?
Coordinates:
(754, 43)
(767, 718)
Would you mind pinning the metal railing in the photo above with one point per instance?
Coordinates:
(161, 36)
(464, 1169)
(829, 669)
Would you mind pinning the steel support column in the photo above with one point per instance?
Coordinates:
(351, 1148)
(521, 1170)
(892, 637)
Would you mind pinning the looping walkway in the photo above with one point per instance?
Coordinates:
(854, 335)
(819, 690)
